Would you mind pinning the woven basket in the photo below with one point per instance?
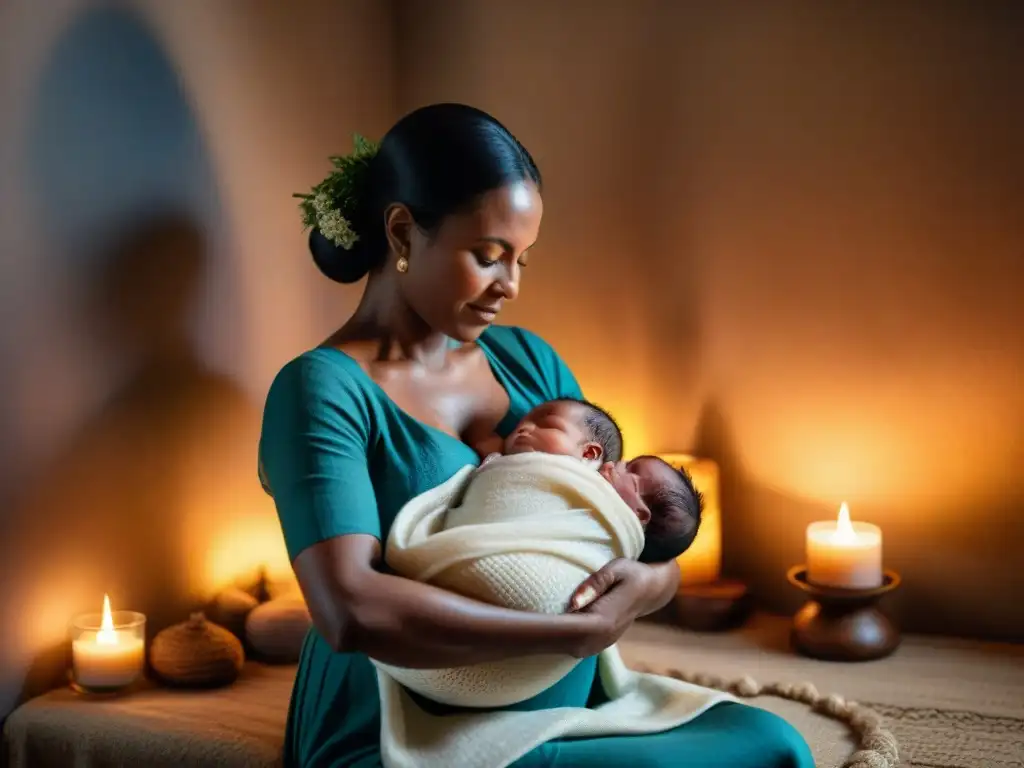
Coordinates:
(196, 653)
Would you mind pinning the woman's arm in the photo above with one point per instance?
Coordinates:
(317, 432)
(406, 623)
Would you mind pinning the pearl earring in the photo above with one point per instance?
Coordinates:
(402, 265)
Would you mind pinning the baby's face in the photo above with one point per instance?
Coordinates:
(553, 428)
(656, 481)
(652, 475)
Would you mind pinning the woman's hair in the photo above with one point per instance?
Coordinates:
(436, 161)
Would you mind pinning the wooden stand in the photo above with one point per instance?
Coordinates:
(714, 607)
(843, 624)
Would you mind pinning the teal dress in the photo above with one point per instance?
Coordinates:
(341, 458)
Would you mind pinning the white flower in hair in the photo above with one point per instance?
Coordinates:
(322, 203)
(337, 229)
(332, 204)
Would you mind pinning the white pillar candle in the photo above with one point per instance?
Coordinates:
(111, 655)
(844, 554)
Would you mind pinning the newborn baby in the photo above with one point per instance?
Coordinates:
(662, 497)
(526, 527)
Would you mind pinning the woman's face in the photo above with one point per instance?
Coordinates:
(458, 280)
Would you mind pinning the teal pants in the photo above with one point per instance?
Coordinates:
(728, 735)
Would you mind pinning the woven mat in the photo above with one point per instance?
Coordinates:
(936, 738)
(950, 703)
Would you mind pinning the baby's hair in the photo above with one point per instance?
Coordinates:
(676, 511)
(601, 428)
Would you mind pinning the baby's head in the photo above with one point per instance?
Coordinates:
(675, 508)
(569, 428)
(669, 506)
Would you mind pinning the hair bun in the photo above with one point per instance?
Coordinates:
(340, 265)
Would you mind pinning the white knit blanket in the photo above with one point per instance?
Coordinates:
(520, 531)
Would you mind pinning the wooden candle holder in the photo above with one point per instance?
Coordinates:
(715, 607)
(843, 624)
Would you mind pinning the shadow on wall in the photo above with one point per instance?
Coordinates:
(763, 535)
(112, 136)
(147, 478)
(119, 509)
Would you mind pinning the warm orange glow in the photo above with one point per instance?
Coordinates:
(238, 552)
(702, 562)
(629, 413)
(232, 532)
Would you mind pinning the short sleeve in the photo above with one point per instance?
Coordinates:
(555, 375)
(314, 447)
(562, 379)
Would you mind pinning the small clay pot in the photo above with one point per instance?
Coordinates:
(282, 586)
(276, 629)
(196, 653)
(230, 608)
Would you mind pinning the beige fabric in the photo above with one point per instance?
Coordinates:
(523, 532)
(951, 704)
(640, 703)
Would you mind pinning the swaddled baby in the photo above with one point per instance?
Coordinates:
(525, 529)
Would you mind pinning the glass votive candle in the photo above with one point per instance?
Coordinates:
(108, 650)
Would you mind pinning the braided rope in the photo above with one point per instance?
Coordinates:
(877, 746)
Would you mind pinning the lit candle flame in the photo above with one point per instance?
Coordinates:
(106, 635)
(844, 528)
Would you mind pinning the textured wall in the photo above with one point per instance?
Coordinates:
(791, 237)
(153, 278)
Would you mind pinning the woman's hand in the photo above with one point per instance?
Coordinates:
(620, 593)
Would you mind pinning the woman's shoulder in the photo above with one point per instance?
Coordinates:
(512, 340)
(323, 375)
(524, 355)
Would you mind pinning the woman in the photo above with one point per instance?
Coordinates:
(442, 219)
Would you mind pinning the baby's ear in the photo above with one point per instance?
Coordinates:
(593, 452)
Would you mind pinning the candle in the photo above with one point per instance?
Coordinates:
(108, 649)
(844, 554)
(702, 562)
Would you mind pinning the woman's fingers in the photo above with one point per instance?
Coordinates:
(584, 596)
(587, 592)
(594, 586)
